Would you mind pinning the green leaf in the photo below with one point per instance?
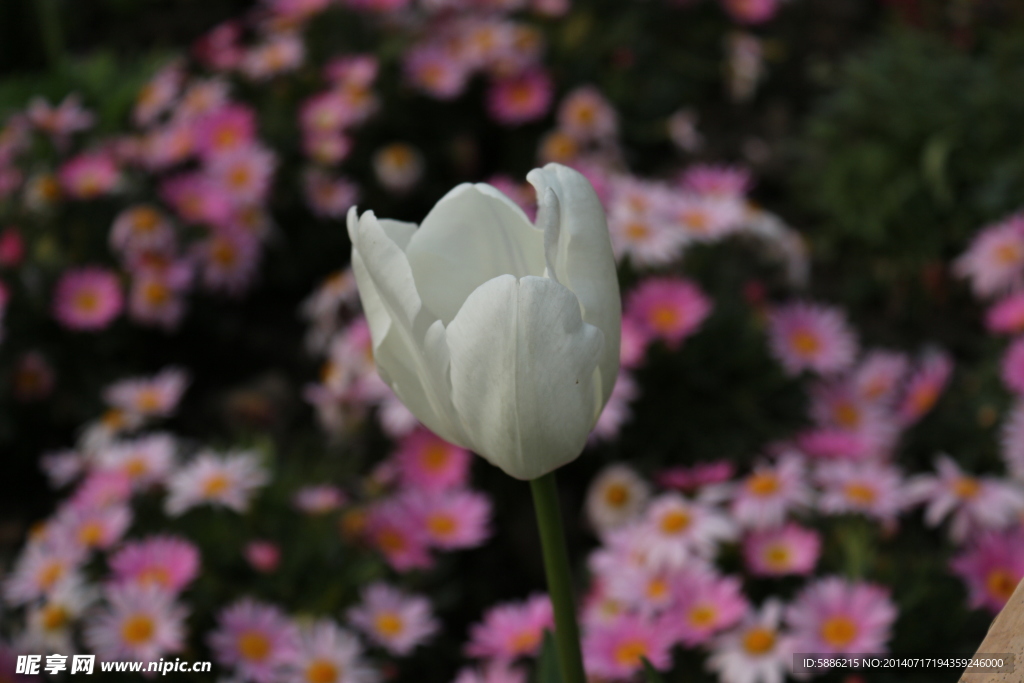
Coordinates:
(651, 674)
(547, 666)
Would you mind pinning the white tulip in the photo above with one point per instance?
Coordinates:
(500, 336)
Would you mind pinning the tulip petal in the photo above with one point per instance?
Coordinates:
(473, 234)
(584, 262)
(411, 357)
(523, 372)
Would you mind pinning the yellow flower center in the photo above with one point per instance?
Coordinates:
(441, 525)
(149, 399)
(697, 221)
(389, 623)
(391, 540)
(966, 487)
(839, 631)
(254, 645)
(50, 574)
(54, 617)
(223, 253)
(637, 231)
(1008, 254)
(675, 521)
(657, 588)
(758, 641)
(145, 219)
(90, 534)
(860, 493)
(777, 556)
(805, 342)
(630, 652)
(156, 293)
(665, 318)
(525, 641)
(762, 484)
(322, 671)
(435, 456)
(216, 484)
(1000, 584)
(136, 467)
(702, 616)
(847, 415)
(137, 629)
(87, 301)
(616, 495)
(157, 575)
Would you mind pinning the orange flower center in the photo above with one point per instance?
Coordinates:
(441, 525)
(215, 485)
(145, 219)
(966, 487)
(87, 301)
(254, 645)
(50, 574)
(847, 415)
(637, 231)
(616, 495)
(758, 641)
(389, 623)
(54, 617)
(90, 534)
(838, 631)
(321, 671)
(525, 641)
(675, 521)
(391, 540)
(777, 556)
(657, 588)
(805, 342)
(137, 629)
(1008, 254)
(665, 318)
(860, 493)
(157, 575)
(1000, 584)
(630, 652)
(435, 456)
(156, 293)
(762, 484)
(703, 616)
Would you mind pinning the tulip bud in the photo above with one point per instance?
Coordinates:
(499, 335)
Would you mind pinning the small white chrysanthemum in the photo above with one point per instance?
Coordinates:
(142, 622)
(767, 495)
(395, 621)
(145, 461)
(616, 496)
(227, 480)
(757, 651)
(155, 396)
(675, 530)
(329, 654)
(50, 625)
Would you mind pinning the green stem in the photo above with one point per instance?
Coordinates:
(556, 566)
(49, 27)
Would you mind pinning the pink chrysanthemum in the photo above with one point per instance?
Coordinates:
(975, 504)
(452, 519)
(670, 309)
(869, 488)
(790, 549)
(675, 530)
(766, 496)
(156, 96)
(511, 630)
(878, 375)
(329, 654)
(156, 396)
(257, 639)
(758, 651)
(586, 115)
(632, 349)
(1007, 315)
(228, 129)
(428, 462)
(87, 298)
(728, 181)
(1012, 441)
(403, 544)
(707, 218)
(647, 238)
(526, 96)
(141, 228)
(318, 499)
(141, 623)
(229, 480)
(41, 569)
(925, 386)
(89, 175)
(994, 261)
(169, 562)
(102, 488)
(834, 616)
(436, 71)
(263, 556)
(617, 411)
(92, 528)
(1013, 367)
(228, 260)
(243, 175)
(61, 121)
(157, 294)
(196, 199)
(806, 336)
(616, 650)
(992, 566)
(394, 620)
(328, 196)
(707, 604)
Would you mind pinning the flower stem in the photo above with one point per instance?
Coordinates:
(556, 566)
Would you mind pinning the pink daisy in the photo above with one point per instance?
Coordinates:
(62, 467)
(89, 175)
(807, 336)
(511, 630)
(975, 504)
(616, 650)
(668, 308)
(255, 638)
(925, 386)
(102, 488)
(169, 562)
(40, 569)
(219, 48)
(436, 71)
(586, 115)
(648, 239)
(327, 149)
(141, 228)
(329, 654)
(318, 499)
(696, 477)
(229, 129)
(675, 530)
(87, 298)
(868, 488)
(196, 199)
(994, 260)
(425, 461)
(157, 294)
(708, 603)
(228, 260)
(835, 616)
(93, 528)
(878, 375)
(166, 146)
(617, 411)
(766, 496)
(723, 181)
(992, 566)
(633, 348)
(790, 549)
(141, 622)
(61, 121)
(1007, 315)
(12, 247)
(707, 218)
(757, 651)
(398, 166)
(1013, 366)
(452, 519)
(244, 174)
(201, 97)
(158, 94)
(228, 480)
(280, 53)
(329, 196)
(514, 100)
(156, 396)
(392, 619)
(403, 544)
